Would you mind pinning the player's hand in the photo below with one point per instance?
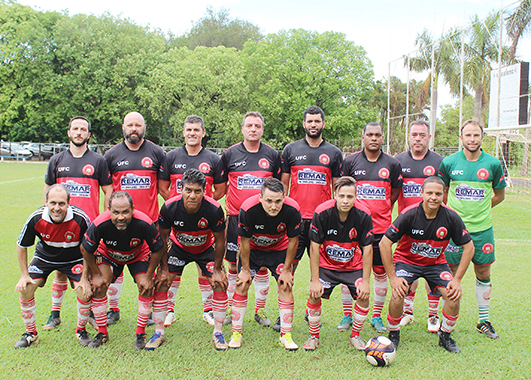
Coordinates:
(162, 278)
(145, 285)
(23, 283)
(364, 290)
(453, 289)
(219, 280)
(244, 277)
(316, 289)
(285, 280)
(85, 287)
(400, 287)
(99, 284)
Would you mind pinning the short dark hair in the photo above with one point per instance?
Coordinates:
(371, 124)
(79, 118)
(473, 122)
(273, 185)
(344, 181)
(192, 119)
(420, 122)
(313, 110)
(192, 176)
(255, 114)
(60, 186)
(433, 179)
(121, 194)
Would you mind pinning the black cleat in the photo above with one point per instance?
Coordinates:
(487, 329)
(276, 326)
(52, 323)
(140, 342)
(98, 340)
(83, 337)
(113, 316)
(446, 341)
(394, 336)
(27, 340)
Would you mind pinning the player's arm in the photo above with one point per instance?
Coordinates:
(164, 233)
(164, 188)
(162, 277)
(219, 190)
(445, 195)
(245, 253)
(284, 178)
(364, 290)
(99, 282)
(395, 193)
(25, 279)
(286, 277)
(399, 285)
(498, 197)
(219, 277)
(46, 187)
(107, 192)
(454, 286)
(84, 283)
(316, 288)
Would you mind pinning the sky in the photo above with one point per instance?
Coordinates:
(386, 29)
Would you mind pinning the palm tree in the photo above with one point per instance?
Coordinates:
(518, 24)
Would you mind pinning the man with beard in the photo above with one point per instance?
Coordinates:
(475, 183)
(83, 172)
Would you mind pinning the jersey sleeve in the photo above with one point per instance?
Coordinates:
(154, 239)
(28, 234)
(105, 178)
(216, 173)
(317, 233)
(50, 177)
(345, 167)
(398, 228)
(91, 239)
(165, 169)
(244, 228)
(165, 220)
(498, 179)
(396, 175)
(160, 156)
(366, 234)
(443, 172)
(295, 224)
(460, 235)
(277, 173)
(219, 219)
(223, 167)
(336, 164)
(284, 162)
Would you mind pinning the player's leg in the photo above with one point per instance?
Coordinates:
(206, 296)
(261, 290)
(347, 302)
(379, 287)
(313, 308)
(239, 306)
(450, 315)
(28, 308)
(409, 300)
(59, 288)
(433, 310)
(138, 270)
(172, 294)
(115, 290)
(285, 305)
(84, 305)
(231, 257)
(483, 293)
(361, 307)
(160, 300)
(109, 271)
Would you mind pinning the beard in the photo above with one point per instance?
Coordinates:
(78, 144)
(315, 135)
(134, 139)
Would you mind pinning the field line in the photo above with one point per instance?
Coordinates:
(19, 180)
(524, 240)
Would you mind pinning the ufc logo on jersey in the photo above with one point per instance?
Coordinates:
(46, 236)
(406, 170)
(417, 232)
(179, 166)
(241, 163)
(122, 163)
(299, 158)
(360, 172)
(331, 232)
(458, 172)
(258, 226)
(178, 223)
(63, 169)
(111, 242)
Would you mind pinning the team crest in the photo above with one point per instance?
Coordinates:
(263, 163)
(88, 169)
(147, 162)
(69, 236)
(134, 242)
(358, 282)
(487, 248)
(77, 269)
(446, 276)
(203, 223)
(204, 167)
(429, 170)
(482, 173)
(324, 159)
(280, 268)
(383, 173)
(465, 231)
(210, 266)
(281, 227)
(353, 233)
(441, 232)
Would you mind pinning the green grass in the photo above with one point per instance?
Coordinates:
(189, 354)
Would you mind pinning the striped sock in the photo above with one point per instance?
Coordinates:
(483, 291)
(346, 299)
(59, 289)
(206, 293)
(172, 293)
(358, 318)
(239, 305)
(144, 310)
(314, 318)
(448, 322)
(83, 312)
(261, 289)
(99, 309)
(115, 289)
(160, 300)
(28, 309)
(285, 309)
(219, 307)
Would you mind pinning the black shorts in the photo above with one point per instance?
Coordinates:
(376, 257)
(272, 260)
(179, 258)
(304, 239)
(232, 239)
(135, 268)
(437, 276)
(38, 268)
(331, 278)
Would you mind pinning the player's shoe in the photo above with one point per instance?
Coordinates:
(98, 340)
(357, 342)
(27, 340)
(156, 341)
(394, 336)
(52, 323)
(208, 317)
(487, 329)
(218, 340)
(446, 341)
(140, 342)
(306, 316)
(311, 344)
(83, 337)
(345, 323)
(113, 316)
(287, 342)
(261, 317)
(150, 321)
(92, 321)
(235, 340)
(170, 318)
(228, 317)
(407, 318)
(433, 324)
(276, 327)
(378, 325)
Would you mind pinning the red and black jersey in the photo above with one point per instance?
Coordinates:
(58, 242)
(246, 171)
(269, 233)
(123, 247)
(422, 240)
(82, 176)
(341, 242)
(414, 172)
(192, 232)
(178, 161)
(374, 181)
(311, 171)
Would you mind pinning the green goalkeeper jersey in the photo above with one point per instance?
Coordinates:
(471, 185)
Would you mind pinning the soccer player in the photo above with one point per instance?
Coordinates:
(475, 183)
(115, 239)
(135, 166)
(378, 184)
(83, 172)
(59, 227)
(422, 232)
(269, 225)
(176, 162)
(418, 163)
(196, 222)
(245, 166)
(341, 252)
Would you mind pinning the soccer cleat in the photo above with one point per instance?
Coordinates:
(156, 341)
(52, 323)
(487, 329)
(92, 321)
(83, 337)
(433, 324)
(113, 316)
(170, 318)
(219, 342)
(150, 321)
(27, 340)
(306, 318)
(446, 341)
(378, 325)
(287, 342)
(311, 344)
(358, 343)
(228, 317)
(345, 323)
(407, 318)
(394, 336)
(235, 340)
(276, 326)
(140, 342)
(208, 317)
(261, 317)
(98, 340)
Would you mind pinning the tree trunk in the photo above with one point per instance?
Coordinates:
(478, 101)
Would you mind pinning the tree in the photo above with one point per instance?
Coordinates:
(448, 124)
(518, 25)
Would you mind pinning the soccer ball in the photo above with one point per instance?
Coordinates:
(380, 351)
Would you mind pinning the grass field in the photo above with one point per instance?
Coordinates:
(189, 354)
